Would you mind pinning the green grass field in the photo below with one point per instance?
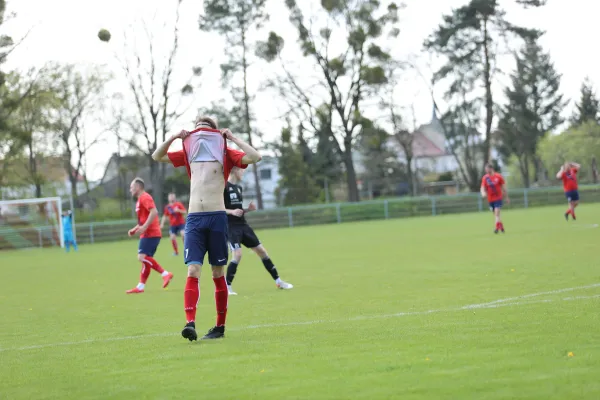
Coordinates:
(424, 308)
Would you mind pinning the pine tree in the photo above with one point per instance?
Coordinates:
(297, 185)
(588, 107)
(470, 39)
(534, 108)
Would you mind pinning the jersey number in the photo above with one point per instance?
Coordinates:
(186, 252)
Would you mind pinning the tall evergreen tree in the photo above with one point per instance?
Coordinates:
(349, 73)
(588, 107)
(470, 40)
(534, 108)
(236, 20)
(297, 185)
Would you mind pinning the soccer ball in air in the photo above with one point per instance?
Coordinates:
(104, 35)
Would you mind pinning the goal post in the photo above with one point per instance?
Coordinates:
(31, 223)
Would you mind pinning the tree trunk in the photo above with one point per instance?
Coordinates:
(259, 199)
(411, 180)
(353, 194)
(489, 102)
(524, 168)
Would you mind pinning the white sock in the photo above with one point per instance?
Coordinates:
(278, 281)
(165, 273)
(140, 286)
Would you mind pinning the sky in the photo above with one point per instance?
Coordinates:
(65, 31)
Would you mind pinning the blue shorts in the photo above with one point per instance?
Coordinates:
(148, 246)
(572, 195)
(206, 232)
(495, 204)
(175, 229)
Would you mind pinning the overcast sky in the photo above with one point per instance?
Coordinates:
(65, 31)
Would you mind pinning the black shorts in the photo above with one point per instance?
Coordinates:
(242, 235)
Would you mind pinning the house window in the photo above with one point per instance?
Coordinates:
(265, 174)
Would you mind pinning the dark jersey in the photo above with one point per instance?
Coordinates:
(233, 201)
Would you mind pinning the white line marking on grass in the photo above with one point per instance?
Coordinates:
(506, 302)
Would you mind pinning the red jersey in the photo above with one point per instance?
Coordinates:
(175, 218)
(143, 206)
(231, 158)
(493, 186)
(569, 179)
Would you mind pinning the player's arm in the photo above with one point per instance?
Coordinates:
(505, 193)
(560, 172)
(181, 210)
(133, 230)
(251, 156)
(163, 219)
(251, 207)
(483, 190)
(160, 154)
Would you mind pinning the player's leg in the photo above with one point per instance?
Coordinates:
(235, 238)
(193, 253)
(182, 233)
(218, 253)
(74, 243)
(67, 240)
(173, 237)
(499, 224)
(153, 264)
(236, 257)
(251, 241)
(143, 247)
(574, 203)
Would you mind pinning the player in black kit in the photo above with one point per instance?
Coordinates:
(240, 233)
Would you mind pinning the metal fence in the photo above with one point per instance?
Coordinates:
(316, 214)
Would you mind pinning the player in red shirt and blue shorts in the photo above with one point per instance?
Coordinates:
(568, 174)
(494, 187)
(175, 211)
(149, 230)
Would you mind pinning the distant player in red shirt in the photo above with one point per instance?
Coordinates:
(175, 211)
(568, 174)
(149, 230)
(494, 187)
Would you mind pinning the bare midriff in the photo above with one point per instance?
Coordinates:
(207, 186)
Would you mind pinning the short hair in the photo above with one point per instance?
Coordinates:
(207, 121)
(489, 165)
(139, 181)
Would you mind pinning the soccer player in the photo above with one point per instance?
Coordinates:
(149, 230)
(208, 161)
(568, 174)
(175, 211)
(240, 233)
(68, 238)
(494, 186)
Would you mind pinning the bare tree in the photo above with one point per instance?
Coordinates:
(79, 96)
(157, 97)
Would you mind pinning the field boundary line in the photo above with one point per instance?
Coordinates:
(505, 302)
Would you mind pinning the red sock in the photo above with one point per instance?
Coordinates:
(191, 295)
(569, 211)
(155, 265)
(174, 242)
(221, 295)
(145, 273)
(501, 226)
(497, 225)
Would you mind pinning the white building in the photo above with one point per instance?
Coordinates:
(268, 174)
